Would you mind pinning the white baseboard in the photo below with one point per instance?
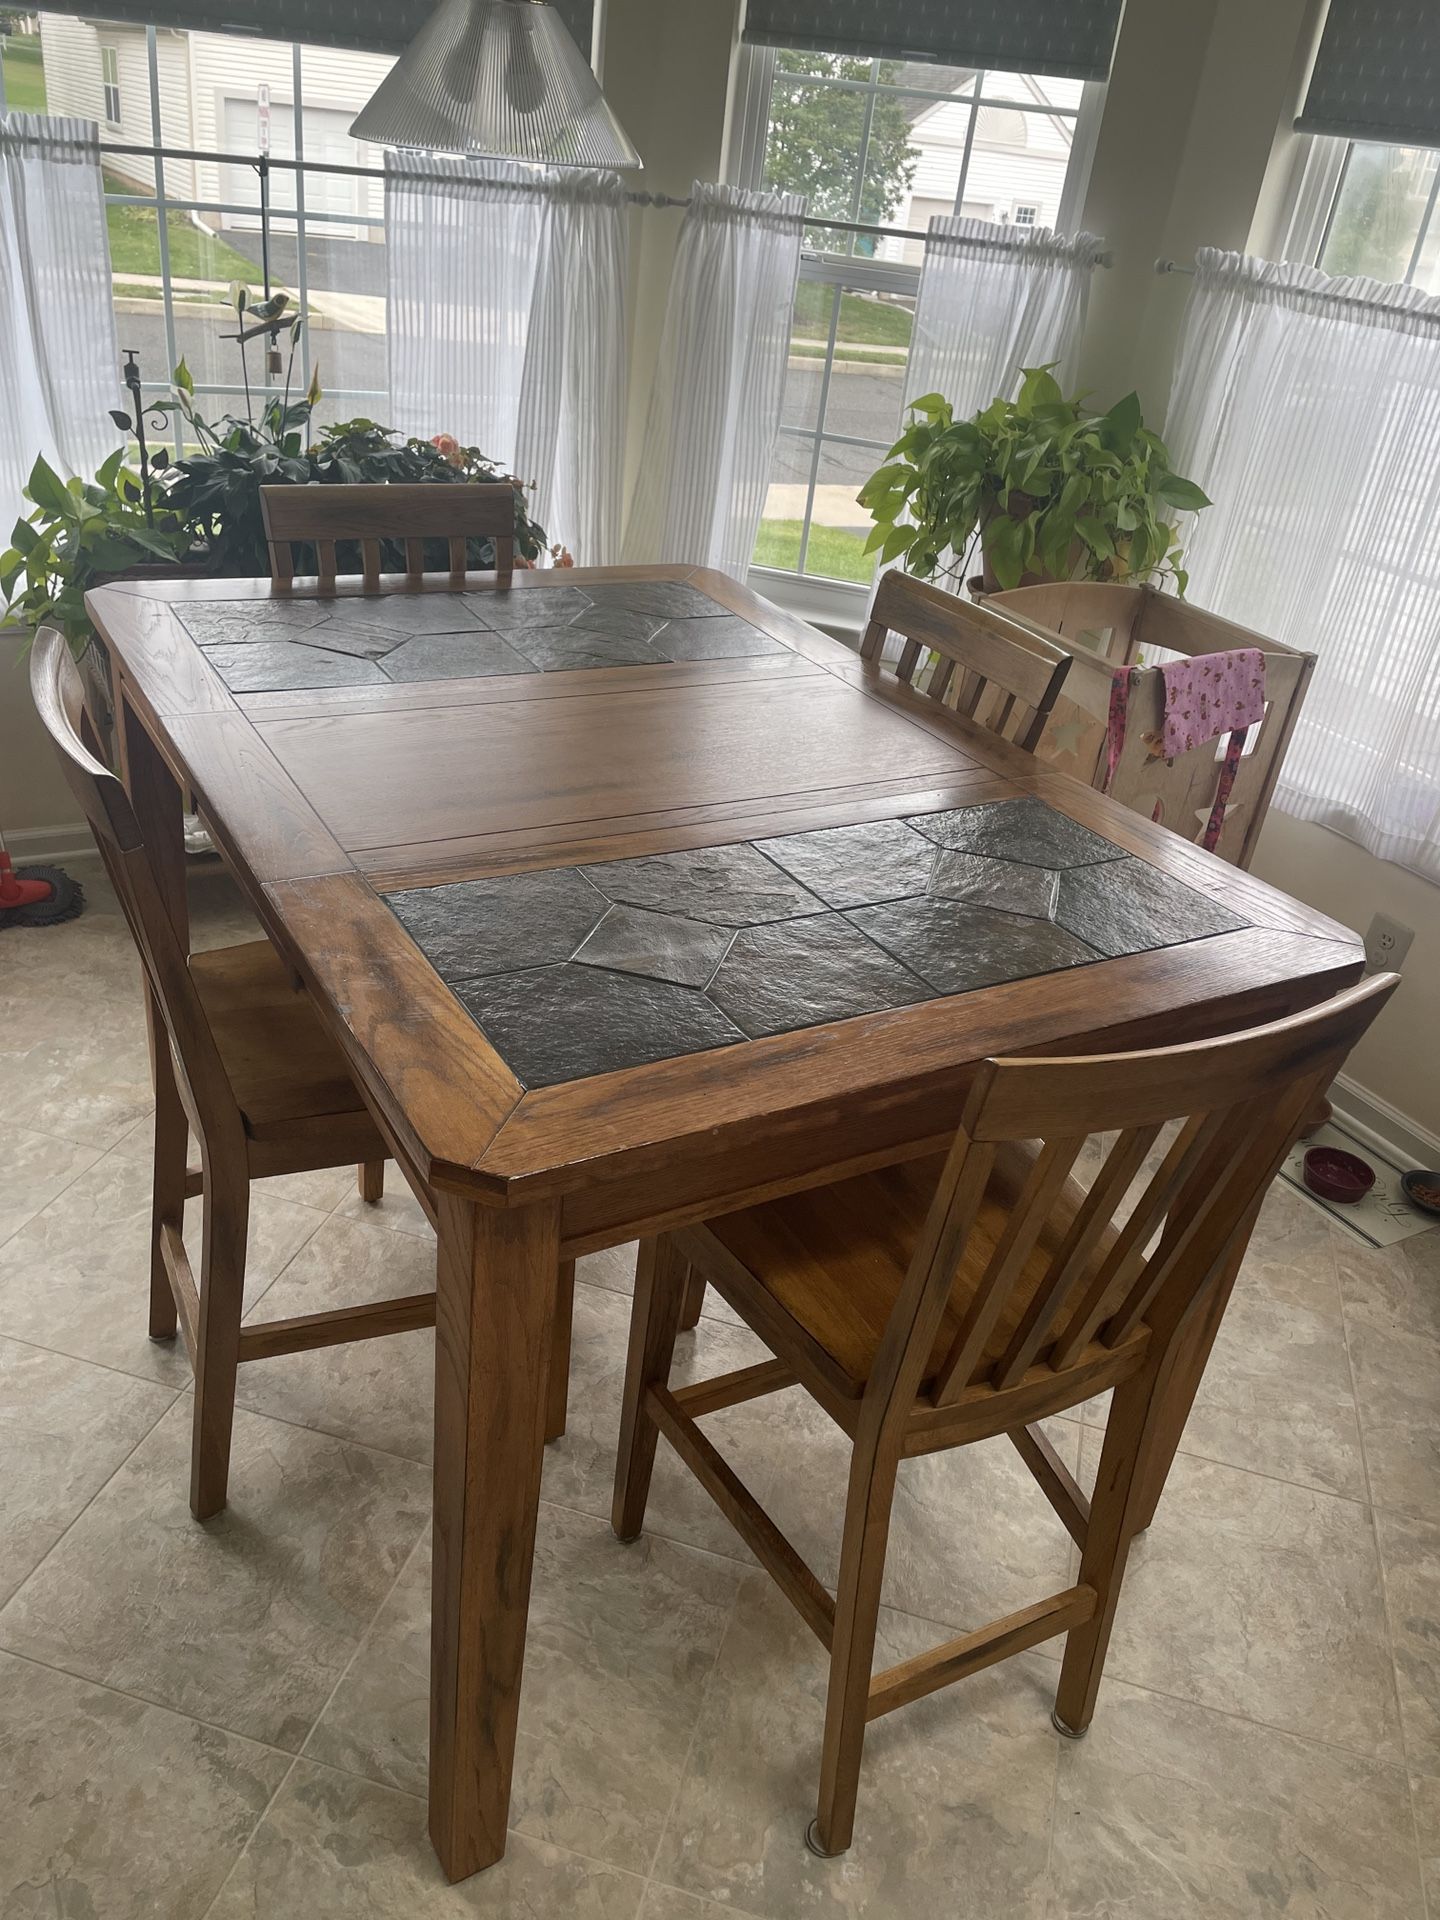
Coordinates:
(45, 845)
(1382, 1126)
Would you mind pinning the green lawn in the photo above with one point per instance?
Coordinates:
(862, 322)
(24, 73)
(135, 245)
(835, 552)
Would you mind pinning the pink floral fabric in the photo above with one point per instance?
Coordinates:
(1212, 694)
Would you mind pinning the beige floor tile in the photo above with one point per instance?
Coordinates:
(64, 1429)
(88, 1079)
(1410, 1554)
(1277, 1395)
(621, 1643)
(1166, 1809)
(615, 1269)
(77, 1276)
(114, 1810)
(1397, 1391)
(1425, 1804)
(955, 1795)
(34, 1168)
(336, 1848)
(249, 1620)
(668, 1903)
(971, 1538)
(378, 1392)
(1393, 1286)
(1261, 1598)
(1291, 1256)
(397, 1207)
(580, 1468)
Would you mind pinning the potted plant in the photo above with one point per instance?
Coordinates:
(1050, 489)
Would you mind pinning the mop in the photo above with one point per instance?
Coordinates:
(36, 896)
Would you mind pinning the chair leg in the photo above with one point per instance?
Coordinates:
(558, 1392)
(694, 1299)
(852, 1653)
(654, 1323)
(222, 1288)
(372, 1181)
(1119, 1509)
(167, 1206)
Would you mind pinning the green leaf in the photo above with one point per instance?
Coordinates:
(899, 540)
(1039, 387)
(1122, 422)
(932, 406)
(1009, 547)
(183, 378)
(48, 490)
(1181, 493)
(1096, 536)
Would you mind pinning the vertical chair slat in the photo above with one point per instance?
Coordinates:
(370, 563)
(325, 564)
(458, 558)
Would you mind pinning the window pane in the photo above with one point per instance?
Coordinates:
(1019, 160)
(809, 338)
(777, 544)
(345, 273)
(813, 146)
(839, 527)
(872, 344)
(1379, 211)
(91, 68)
(223, 93)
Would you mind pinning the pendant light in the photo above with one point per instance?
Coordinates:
(496, 77)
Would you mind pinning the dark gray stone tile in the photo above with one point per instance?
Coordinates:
(568, 1023)
(1128, 906)
(619, 620)
(1024, 829)
(996, 883)
(216, 621)
(955, 947)
(856, 866)
(507, 607)
(455, 656)
(492, 926)
(725, 886)
(410, 613)
(271, 666)
(666, 599)
(724, 637)
(362, 643)
(662, 946)
(800, 973)
(568, 649)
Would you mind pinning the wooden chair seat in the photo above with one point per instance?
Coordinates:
(282, 1064)
(834, 1259)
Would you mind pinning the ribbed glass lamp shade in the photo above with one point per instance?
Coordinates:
(498, 77)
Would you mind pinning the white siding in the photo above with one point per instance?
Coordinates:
(73, 84)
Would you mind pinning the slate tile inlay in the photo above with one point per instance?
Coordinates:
(567, 649)
(455, 656)
(514, 607)
(577, 971)
(997, 883)
(726, 637)
(212, 621)
(956, 947)
(405, 614)
(856, 866)
(1131, 907)
(1025, 830)
(662, 946)
(726, 886)
(277, 666)
(801, 973)
(567, 1023)
(490, 926)
(666, 599)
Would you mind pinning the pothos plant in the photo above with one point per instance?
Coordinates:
(200, 505)
(1048, 489)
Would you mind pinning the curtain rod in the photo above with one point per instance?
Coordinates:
(1324, 299)
(638, 199)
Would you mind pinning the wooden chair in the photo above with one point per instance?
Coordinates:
(325, 517)
(242, 1060)
(985, 667)
(949, 1300)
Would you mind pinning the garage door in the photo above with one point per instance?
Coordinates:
(327, 138)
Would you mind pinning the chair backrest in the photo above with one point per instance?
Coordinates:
(371, 517)
(1109, 1280)
(994, 673)
(60, 701)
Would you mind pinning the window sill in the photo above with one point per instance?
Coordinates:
(839, 607)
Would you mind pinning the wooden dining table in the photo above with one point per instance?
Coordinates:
(558, 861)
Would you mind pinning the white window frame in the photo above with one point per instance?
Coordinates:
(110, 84)
(1317, 182)
(1025, 214)
(840, 601)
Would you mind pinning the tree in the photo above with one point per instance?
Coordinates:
(816, 133)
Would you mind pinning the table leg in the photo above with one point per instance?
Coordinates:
(496, 1279)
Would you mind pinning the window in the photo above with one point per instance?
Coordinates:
(881, 145)
(1371, 210)
(110, 82)
(183, 231)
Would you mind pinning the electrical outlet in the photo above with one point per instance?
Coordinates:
(1387, 942)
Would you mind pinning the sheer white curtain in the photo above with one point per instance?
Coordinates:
(59, 367)
(715, 405)
(506, 318)
(1308, 408)
(992, 300)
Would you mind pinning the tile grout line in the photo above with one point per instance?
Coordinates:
(79, 1174)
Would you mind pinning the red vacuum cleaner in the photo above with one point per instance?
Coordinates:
(36, 896)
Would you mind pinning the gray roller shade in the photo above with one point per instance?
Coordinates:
(1074, 39)
(378, 26)
(1377, 74)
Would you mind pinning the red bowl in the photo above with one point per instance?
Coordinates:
(1336, 1175)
